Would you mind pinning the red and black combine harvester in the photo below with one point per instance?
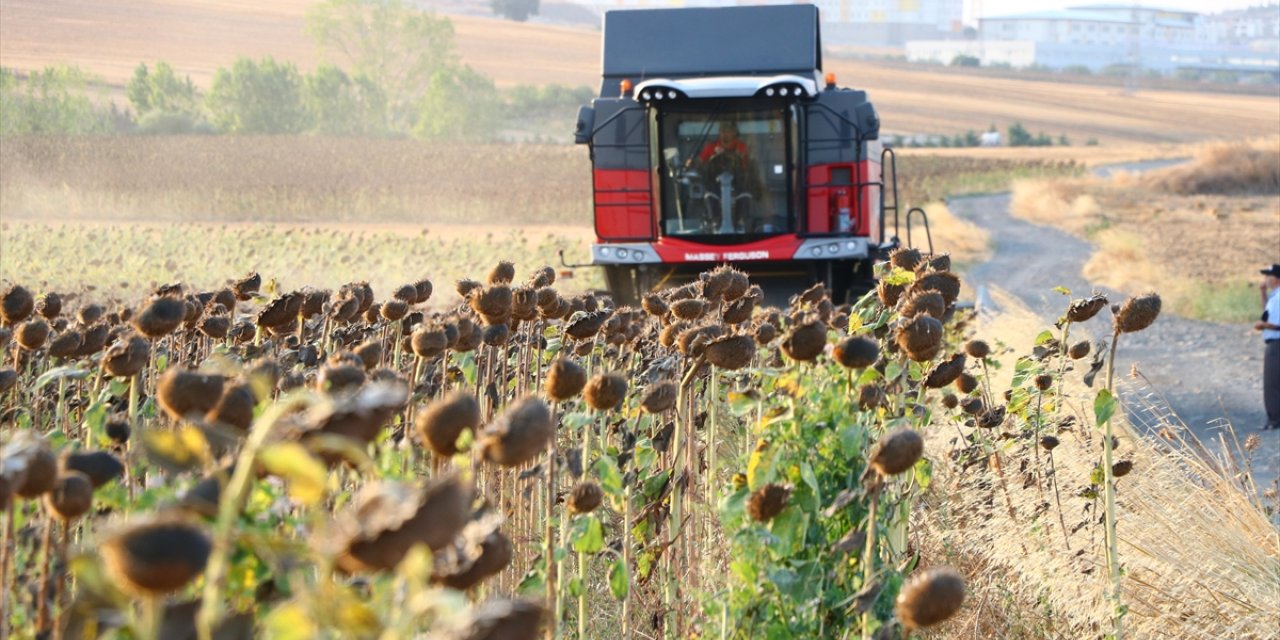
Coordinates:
(716, 139)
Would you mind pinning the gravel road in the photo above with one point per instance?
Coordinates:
(1206, 373)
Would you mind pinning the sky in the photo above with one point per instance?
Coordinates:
(1009, 7)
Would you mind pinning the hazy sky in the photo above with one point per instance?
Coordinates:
(1008, 7)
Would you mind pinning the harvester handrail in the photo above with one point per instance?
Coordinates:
(927, 233)
(892, 156)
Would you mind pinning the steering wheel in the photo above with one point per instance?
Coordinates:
(725, 161)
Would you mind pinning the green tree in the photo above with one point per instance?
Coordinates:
(461, 104)
(962, 60)
(52, 100)
(338, 104)
(391, 43)
(161, 90)
(258, 97)
(518, 10)
(1019, 136)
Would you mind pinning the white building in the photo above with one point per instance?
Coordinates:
(1099, 36)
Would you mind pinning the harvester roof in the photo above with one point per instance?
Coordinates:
(700, 42)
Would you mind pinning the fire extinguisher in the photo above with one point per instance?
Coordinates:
(842, 210)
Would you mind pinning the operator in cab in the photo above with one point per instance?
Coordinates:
(726, 144)
(725, 165)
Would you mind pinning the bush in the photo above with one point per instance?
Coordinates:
(53, 100)
(461, 104)
(1077, 70)
(1117, 70)
(1187, 75)
(258, 97)
(1223, 77)
(1259, 80)
(168, 123)
(161, 90)
(963, 60)
(338, 104)
(1019, 136)
(518, 10)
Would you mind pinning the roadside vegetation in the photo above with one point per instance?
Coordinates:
(1197, 231)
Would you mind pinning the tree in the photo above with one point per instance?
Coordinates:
(963, 60)
(258, 97)
(394, 45)
(1019, 136)
(518, 10)
(52, 100)
(460, 104)
(161, 90)
(338, 104)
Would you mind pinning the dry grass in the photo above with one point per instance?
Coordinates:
(292, 179)
(1087, 156)
(1200, 249)
(123, 262)
(966, 242)
(1200, 556)
(1225, 168)
(198, 37)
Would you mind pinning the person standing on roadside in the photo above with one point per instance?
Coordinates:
(1270, 328)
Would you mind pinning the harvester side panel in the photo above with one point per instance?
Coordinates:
(622, 177)
(843, 197)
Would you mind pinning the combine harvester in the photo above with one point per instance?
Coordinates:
(717, 139)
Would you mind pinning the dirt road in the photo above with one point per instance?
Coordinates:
(1207, 374)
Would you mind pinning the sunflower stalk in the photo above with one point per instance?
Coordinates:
(229, 506)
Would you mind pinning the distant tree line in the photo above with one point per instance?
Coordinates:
(1121, 70)
(1016, 136)
(387, 69)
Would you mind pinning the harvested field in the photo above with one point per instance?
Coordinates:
(197, 37)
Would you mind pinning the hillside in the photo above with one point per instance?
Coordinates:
(198, 37)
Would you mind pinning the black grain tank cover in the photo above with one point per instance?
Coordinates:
(698, 42)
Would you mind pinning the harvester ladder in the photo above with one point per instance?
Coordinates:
(889, 159)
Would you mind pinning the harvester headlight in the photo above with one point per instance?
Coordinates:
(833, 248)
(644, 95)
(851, 245)
(622, 254)
(769, 92)
(782, 91)
(817, 251)
(671, 94)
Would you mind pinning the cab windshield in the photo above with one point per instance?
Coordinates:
(724, 172)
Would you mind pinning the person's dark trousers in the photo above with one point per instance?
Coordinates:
(1271, 383)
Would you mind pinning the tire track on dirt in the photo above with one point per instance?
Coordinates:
(1206, 373)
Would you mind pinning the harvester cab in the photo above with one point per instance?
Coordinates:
(717, 139)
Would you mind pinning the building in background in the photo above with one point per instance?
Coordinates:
(1115, 37)
(872, 23)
